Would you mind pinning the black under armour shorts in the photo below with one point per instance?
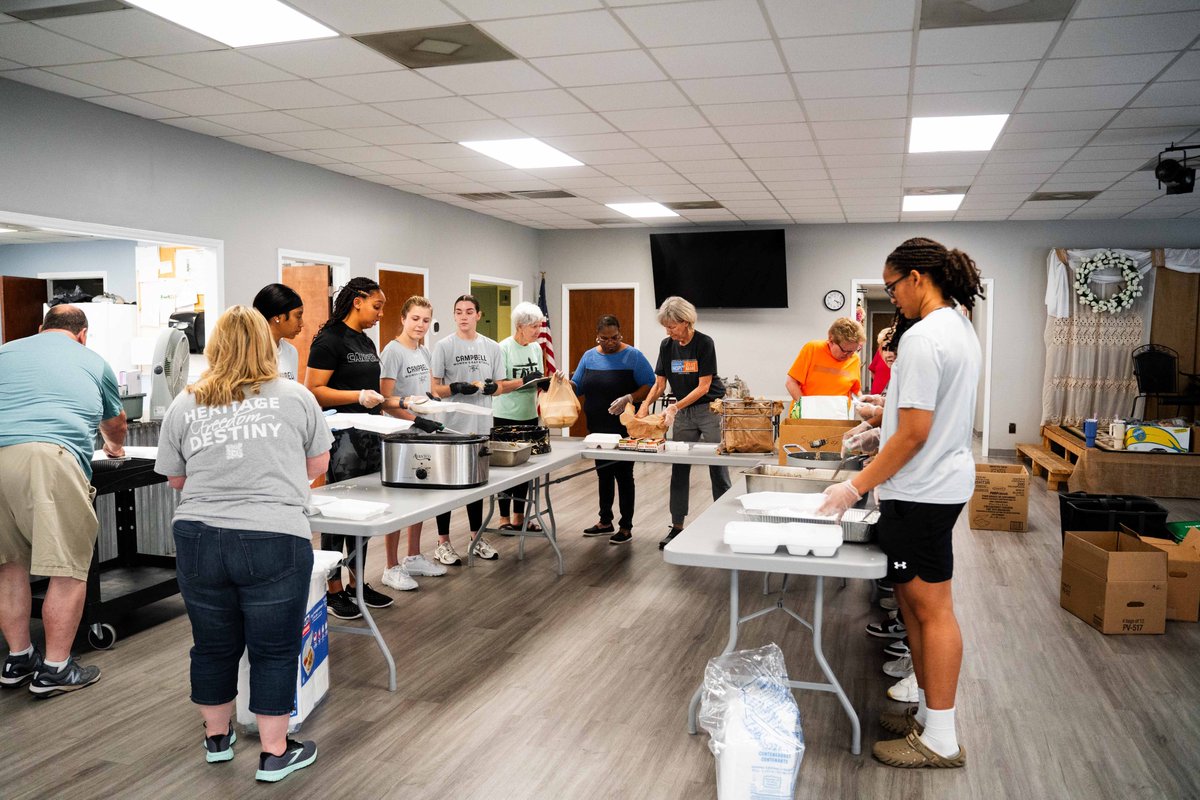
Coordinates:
(916, 538)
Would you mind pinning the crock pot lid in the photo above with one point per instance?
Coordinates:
(411, 437)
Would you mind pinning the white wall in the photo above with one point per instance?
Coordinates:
(114, 256)
(759, 345)
(66, 158)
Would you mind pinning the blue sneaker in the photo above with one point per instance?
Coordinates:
(19, 670)
(220, 747)
(297, 755)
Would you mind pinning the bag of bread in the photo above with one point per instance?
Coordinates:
(559, 405)
(650, 426)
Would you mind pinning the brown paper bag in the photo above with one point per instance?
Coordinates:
(559, 405)
(747, 425)
(650, 426)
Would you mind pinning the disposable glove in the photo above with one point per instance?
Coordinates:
(531, 377)
(866, 410)
(462, 387)
(873, 399)
(669, 414)
(838, 499)
(865, 442)
(427, 425)
(490, 386)
(619, 404)
(369, 398)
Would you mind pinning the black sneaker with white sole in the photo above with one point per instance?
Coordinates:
(621, 537)
(373, 598)
(897, 649)
(888, 629)
(297, 755)
(73, 676)
(342, 605)
(19, 670)
(220, 747)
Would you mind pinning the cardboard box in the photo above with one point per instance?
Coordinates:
(1001, 498)
(1183, 575)
(806, 431)
(1157, 438)
(1114, 582)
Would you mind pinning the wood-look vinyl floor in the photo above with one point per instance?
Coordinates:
(515, 683)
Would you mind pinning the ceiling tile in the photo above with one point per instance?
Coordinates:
(694, 152)
(323, 58)
(774, 149)
(708, 166)
(1101, 70)
(852, 146)
(199, 125)
(432, 150)
(561, 34)
(218, 68)
(719, 60)
(1148, 117)
(1147, 136)
(131, 33)
(1111, 153)
(1013, 42)
(858, 51)
(5, 64)
(371, 16)
(857, 108)
(859, 129)
(1058, 121)
(776, 163)
(290, 94)
(748, 89)
(489, 78)
(359, 154)
(594, 69)
(624, 157)
(852, 83)
(656, 119)
(384, 87)
(200, 102)
(955, 104)
(438, 109)
(826, 17)
(126, 77)
(264, 122)
(132, 105)
(525, 104)
(1032, 141)
(490, 9)
(419, 171)
(1018, 168)
(765, 133)
(562, 124)
(973, 77)
(257, 142)
(753, 113)
(394, 134)
(690, 23)
(627, 97)
(591, 141)
(54, 83)
(361, 116)
(1187, 68)
(1081, 98)
(948, 179)
(311, 140)
(307, 156)
(475, 130)
(1152, 33)
(353, 170)
(1175, 93)
(950, 159)
(672, 137)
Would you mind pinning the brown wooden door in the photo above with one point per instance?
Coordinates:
(397, 287)
(586, 306)
(312, 283)
(21, 301)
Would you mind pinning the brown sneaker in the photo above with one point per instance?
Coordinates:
(911, 753)
(902, 722)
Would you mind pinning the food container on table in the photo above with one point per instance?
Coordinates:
(770, 478)
(435, 460)
(510, 454)
(800, 538)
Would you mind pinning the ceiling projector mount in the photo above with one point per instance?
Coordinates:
(1175, 173)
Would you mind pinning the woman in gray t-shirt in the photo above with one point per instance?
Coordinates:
(242, 446)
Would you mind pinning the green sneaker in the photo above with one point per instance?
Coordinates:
(220, 747)
(296, 755)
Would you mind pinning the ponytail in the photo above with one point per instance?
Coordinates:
(344, 304)
(952, 271)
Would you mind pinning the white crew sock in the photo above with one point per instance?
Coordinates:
(939, 735)
(21, 653)
(56, 665)
(922, 709)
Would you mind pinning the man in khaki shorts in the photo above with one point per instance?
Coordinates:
(54, 396)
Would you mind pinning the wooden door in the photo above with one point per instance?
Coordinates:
(586, 306)
(21, 301)
(397, 287)
(312, 282)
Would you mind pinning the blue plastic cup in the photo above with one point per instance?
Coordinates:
(1089, 431)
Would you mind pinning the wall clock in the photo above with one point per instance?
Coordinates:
(834, 300)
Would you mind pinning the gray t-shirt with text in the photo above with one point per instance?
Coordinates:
(458, 360)
(408, 368)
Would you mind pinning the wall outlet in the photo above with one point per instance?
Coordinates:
(1012, 427)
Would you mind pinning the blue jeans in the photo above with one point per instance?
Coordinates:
(243, 590)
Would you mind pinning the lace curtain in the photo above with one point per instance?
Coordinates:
(1089, 365)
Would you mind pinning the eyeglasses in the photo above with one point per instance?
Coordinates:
(890, 288)
(846, 351)
(605, 339)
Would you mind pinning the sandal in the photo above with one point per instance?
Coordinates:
(531, 527)
(508, 526)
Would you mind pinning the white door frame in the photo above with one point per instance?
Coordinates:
(989, 288)
(339, 271)
(517, 286)
(139, 235)
(564, 359)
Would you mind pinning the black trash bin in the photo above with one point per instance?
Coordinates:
(1080, 511)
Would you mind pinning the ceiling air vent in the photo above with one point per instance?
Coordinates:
(964, 13)
(544, 194)
(479, 197)
(693, 205)
(30, 10)
(933, 190)
(437, 47)
(609, 221)
(1037, 196)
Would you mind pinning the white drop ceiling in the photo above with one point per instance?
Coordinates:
(784, 111)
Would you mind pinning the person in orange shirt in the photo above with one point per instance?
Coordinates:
(830, 366)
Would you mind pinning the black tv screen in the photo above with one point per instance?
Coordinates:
(727, 269)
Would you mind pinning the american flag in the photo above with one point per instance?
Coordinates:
(545, 338)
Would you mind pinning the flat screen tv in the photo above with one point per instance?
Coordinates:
(726, 269)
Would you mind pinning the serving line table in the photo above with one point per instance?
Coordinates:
(701, 544)
(695, 458)
(407, 506)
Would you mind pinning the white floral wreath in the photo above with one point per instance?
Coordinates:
(1108, 259)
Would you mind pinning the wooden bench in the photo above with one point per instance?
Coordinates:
(1057, 469)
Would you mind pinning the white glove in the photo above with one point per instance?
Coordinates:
(873, 399)
(619, 404)
(669, 414)
(861, 427)
(865, 442)
(839, 498)
(369, 398)
(866, 410)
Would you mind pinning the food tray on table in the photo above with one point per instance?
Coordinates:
(788, 507)
(800, 538)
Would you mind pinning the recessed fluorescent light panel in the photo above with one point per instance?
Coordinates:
(523, 153)
(239, 23)
(950, 134)
(8, 230)
(932, 202)
(642, 210)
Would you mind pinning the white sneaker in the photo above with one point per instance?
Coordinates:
(446, 555)
(888, 603)
(483, 549)
(420, 565)
(905, 691)
(397, 578)
(900, 668)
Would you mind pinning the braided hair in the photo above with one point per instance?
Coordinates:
(344, 304)
(952, 271)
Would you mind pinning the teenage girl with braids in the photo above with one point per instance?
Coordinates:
(925, 473)
(343, 373)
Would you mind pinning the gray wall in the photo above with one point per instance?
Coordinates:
(114, 256)
(760, 344)
(74, 160)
